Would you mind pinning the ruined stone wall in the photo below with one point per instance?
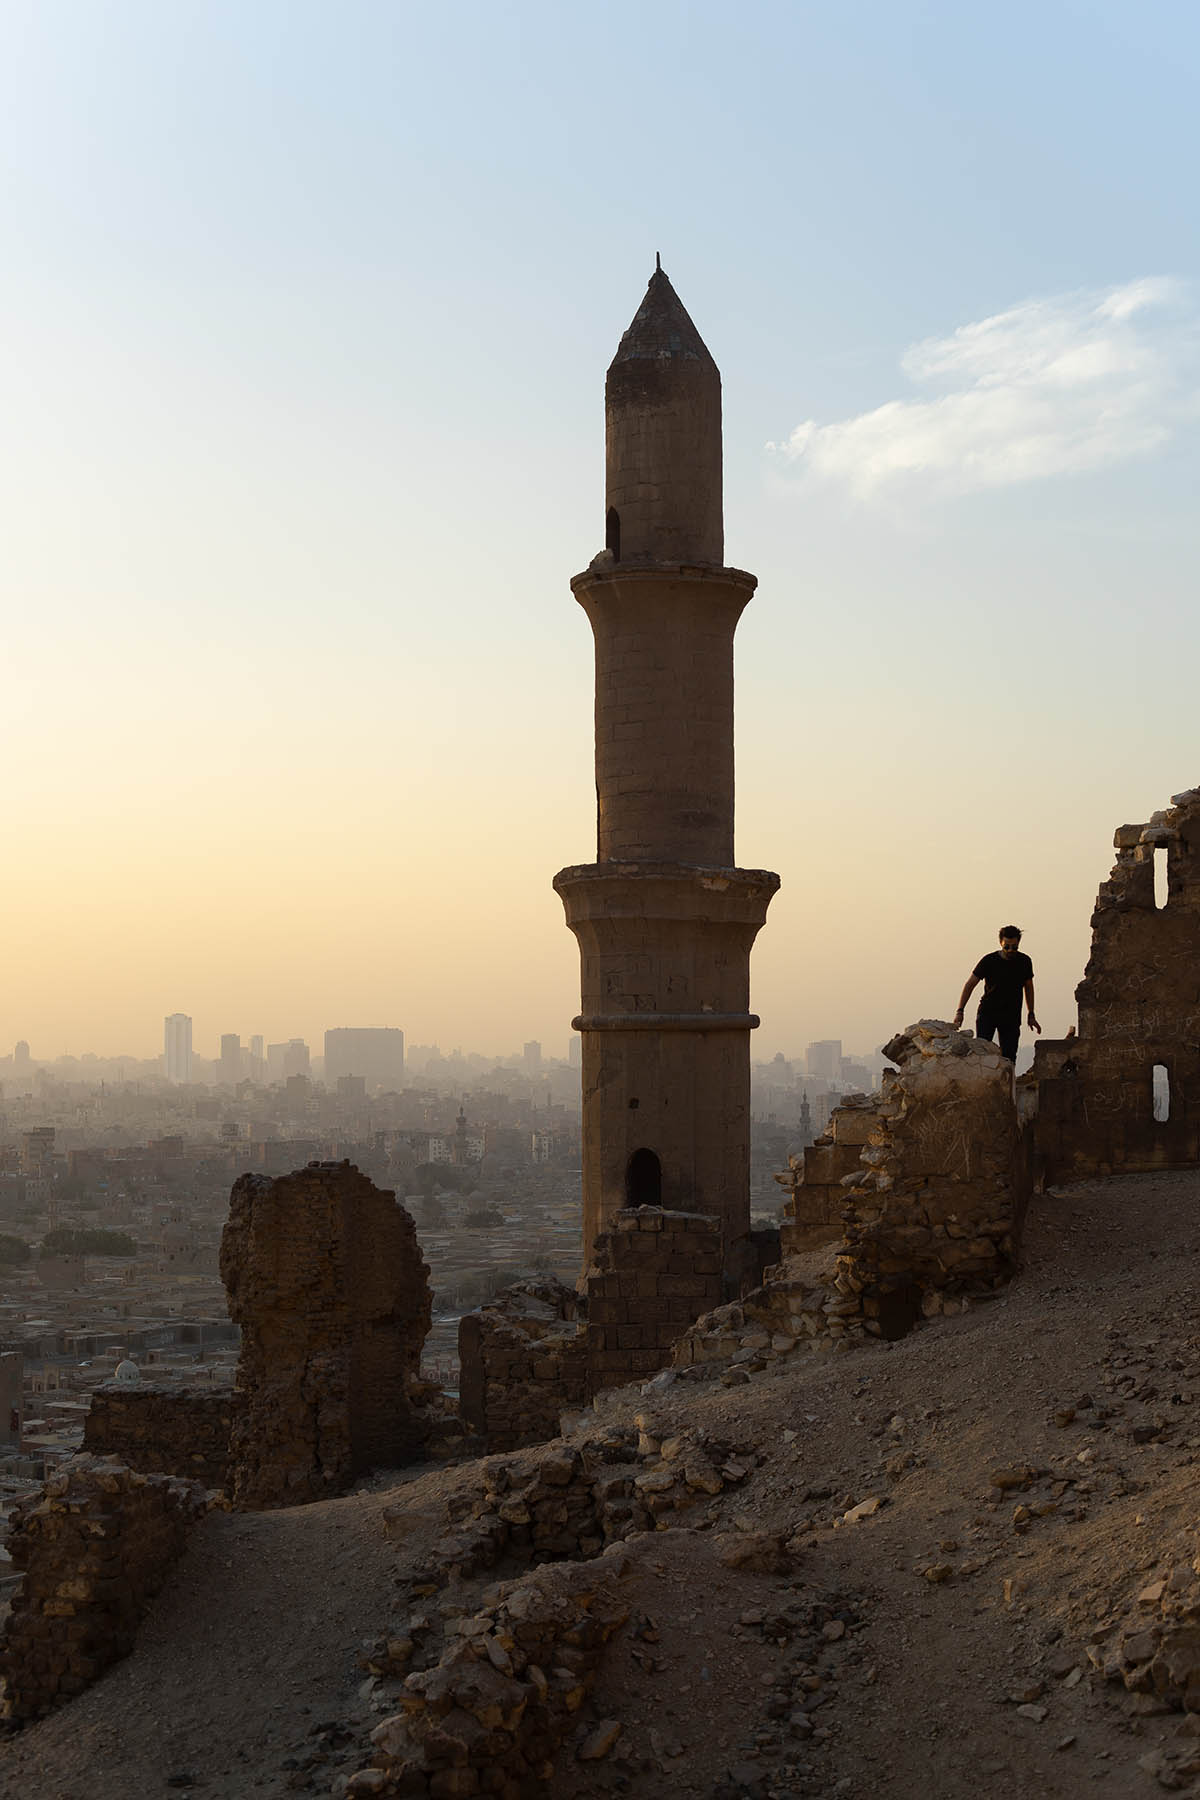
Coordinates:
(161, 1430)
(653, 1273)
(522, 1361)
(325, 1277)
(941, 1201)
(930, 1213)
(1139, 1005)
(816, 1179)
(528, 1357)
(93, 1546)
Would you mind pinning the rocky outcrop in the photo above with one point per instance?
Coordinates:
(325, 1277)
(94, 1546)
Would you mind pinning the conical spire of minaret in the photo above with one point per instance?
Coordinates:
(661, 327)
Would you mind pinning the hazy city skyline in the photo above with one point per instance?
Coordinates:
(301, 447)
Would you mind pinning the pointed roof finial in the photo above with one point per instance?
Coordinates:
(658, 262)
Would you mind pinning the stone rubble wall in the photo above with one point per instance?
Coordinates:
(812, 1213)
(653, 1272)
(522, 1361)
(930, 1212)
(1139, 1005)
(161, 1430)
(490, 1716)
(940, 1202)
(530, 1356)
(325, 1277)
(94, 1547)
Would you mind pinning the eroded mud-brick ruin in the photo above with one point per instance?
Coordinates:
(1092, 1096)
(325, 1278)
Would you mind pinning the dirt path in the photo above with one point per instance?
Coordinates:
(861, 1674)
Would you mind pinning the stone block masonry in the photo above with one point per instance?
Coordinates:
(528, 1357)
(159, 1430)
(654, 1272)
(325, 1277)
(94, 1546)
(815, 1180)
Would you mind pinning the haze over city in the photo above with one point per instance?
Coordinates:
(304, 331)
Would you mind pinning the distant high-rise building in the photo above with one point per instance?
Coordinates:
(374, 1052)
(258, 1059)
(231, 1058)
(287, 1059)
(823, 1060)
(37, 1150)
(177, 1047)
(575, 1053)
(21, 1061)
(532, 1056)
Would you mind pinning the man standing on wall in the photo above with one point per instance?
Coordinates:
(1006, 974)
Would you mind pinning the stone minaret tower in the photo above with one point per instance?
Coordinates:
(665, 923)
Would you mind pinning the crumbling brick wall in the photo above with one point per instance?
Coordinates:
(941, 1200)
(94, 1546)
(161, 1430)
(816, 1179)
(325, 1277)
(526, 1358)
(522, 1360)
(1139, 1007)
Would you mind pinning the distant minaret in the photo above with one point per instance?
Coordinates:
(664, 921)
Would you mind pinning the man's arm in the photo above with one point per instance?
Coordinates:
(1033, 1024)
(969, 986)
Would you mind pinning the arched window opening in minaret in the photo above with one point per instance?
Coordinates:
(612, 533)
(1160, 1091)
(643, 1179)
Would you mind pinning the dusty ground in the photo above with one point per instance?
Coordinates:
(858, 1674)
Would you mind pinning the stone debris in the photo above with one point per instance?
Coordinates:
(576, 1498)
(94, 1546)
(472, 1723)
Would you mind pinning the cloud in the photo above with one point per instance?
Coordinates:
(1057, 386)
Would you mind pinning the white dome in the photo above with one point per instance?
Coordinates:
(127, 1371)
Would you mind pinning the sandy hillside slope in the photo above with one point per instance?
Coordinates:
(1035, 1464)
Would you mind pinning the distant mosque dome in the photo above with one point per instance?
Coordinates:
(127, 1371)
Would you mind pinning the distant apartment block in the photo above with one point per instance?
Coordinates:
(284, 1060)
(376, 1053)
(231, 1059)
(823, 1060)
(177, 1047)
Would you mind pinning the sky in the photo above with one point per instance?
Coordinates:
(303, 329)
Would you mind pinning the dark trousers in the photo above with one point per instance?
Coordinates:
(1007, 1030)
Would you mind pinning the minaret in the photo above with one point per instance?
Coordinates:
(665, 923)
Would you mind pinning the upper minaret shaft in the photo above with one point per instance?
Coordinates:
(662, 402)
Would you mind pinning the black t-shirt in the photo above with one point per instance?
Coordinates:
(1003, 979)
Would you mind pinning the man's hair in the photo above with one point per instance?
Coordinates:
(1010, 931)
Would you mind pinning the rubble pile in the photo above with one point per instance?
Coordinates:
(325, 1277)
(489, 1717)
(94, 1546)
(522, 1359)
(576, 1497)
